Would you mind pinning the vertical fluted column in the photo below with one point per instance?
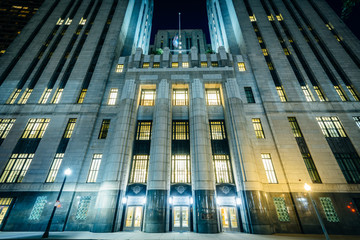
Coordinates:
(116, 161)
(158, 177)
(206, 218)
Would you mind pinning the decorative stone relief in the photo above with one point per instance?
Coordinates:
(128, 89)
(136, 189)
(163, 91)
(180, 189)
(232, 88)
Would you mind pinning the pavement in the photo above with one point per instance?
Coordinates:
(171, 235)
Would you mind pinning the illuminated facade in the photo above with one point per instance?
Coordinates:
(181, 142)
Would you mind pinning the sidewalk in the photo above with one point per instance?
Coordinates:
(172, 235)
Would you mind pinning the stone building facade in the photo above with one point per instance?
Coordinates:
(181, 142)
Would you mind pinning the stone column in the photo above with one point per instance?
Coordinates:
(253, 210)
(203, 177)
(158, 172)
(116, 159)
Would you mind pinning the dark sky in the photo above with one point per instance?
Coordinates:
(193, 15)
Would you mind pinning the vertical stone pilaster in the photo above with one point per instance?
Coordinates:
(108, 203)
(206, 217)
(158, 180)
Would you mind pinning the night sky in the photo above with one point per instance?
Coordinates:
(193, 16)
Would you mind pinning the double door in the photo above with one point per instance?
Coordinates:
(229, 220)
(181, 218)
(133, 220)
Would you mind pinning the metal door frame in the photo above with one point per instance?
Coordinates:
(181, 228)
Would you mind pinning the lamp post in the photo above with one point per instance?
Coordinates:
(308, 189)
(46, 233)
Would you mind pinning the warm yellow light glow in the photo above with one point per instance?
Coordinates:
(307, 187)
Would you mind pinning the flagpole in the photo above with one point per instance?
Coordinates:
(179, 31)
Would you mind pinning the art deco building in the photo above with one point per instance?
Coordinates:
(181, 142)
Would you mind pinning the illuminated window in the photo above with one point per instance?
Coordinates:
(4, 206)
(319, 93)
(252, 18)
(353, 93)
(174, 64)
(94, 168)
(249, 95)
(139, 169)
(112, 96)
(279, 17)
(341, 93)
(270, 66)
(241, 66)
(45, 96)
(331, 127)
(60, 21)
(217, 130)
(156, 65)
(180, 169)
(83, 208)
(143, 130)
(13, 96)
(35, 128)
(329, 210)
(271, 17)
(180, 130)
(5, 126)
(203, 64)
(260, 39)
(148, 97)
(16, 168)
(146, 65)
(356, 119)
(281, 209)
(185, 64)
(25, 97)
(180, 97)
(258, 128)
(281, 93)
(57, 96)
(222, 168)
(104, 129)
(82, 21)
(269, 168)
(38, 208)
(82, 96)
(69, 128)
(286, 51)
(307, 93)
(213, 96)
(68, 21)
(55, 166)
(265, 52)
(214, 64)
(119, 68)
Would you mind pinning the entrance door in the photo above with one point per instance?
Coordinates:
(4, 209)
(181, 219)
(229, 219)
(133, 218)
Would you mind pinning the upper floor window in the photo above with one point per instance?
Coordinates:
(143, 130)
(146, 65)
(217, 130)
(55, 166)
(180, 169)
(35, 128)
(203, 64)
(69, 128)
(259, 132)
(119, 68)
(356, 119)
(249, 95)
(94, 168)
(222, 167)
(156, 65)
(139, 169)
(112, 96)
(269, 168)
(174, 64)
(5, 126)
(331, 127)
(148, 97)
(104, 129)
(213, 96)
(180, 97)
(180, 130)
(185, 64)
(16, 167)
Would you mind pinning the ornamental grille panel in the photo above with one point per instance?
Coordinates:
(83, 208)
(38, 208)
(329, 210)
(281, 209)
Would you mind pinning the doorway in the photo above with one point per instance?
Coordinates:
(133, 220)
(229, 219)
(181, 219)
(4, 210)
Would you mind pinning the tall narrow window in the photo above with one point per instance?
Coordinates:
(281, 93)
(143, 130)
(241, 66)
(82, 95)
(147, 97)
(139, 169)
(356, 119)
(70, 128)
(269, 168)
(217, 130)
(249, 95)
(156, 65)
(259, 132)
(180, 97)
(119, 68)
(146, 65)
(185, 64)
(331, 127)
(340, 93)
(180, 130)
(112, 96)
(319, 93)
(94, 168)
(222, 168)
(45, 96)
(13, 96)
(25, 97)
(57, 96)
(55, 166)
(213, 96)
(104, 129)
(310, 165)
(5, 126)
(35, 128)
(180, 169)
(174, 64)
(16, 168)
(307, 93)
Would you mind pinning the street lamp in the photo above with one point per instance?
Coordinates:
(46, 233)
(308, 189)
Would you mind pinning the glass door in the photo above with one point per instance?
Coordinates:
(133, 218)
(229, 218)
(4, 209)
(181, 218)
